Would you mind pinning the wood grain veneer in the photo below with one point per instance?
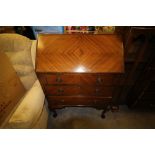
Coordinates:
(79, 53)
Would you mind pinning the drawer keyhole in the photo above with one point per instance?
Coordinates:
(58, 79)
(99, 80)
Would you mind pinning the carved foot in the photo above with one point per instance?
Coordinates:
(54, 113)
(103, 113)
(114, 108)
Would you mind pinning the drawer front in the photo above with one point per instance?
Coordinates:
(87, 79)
(62, 90)
(94, 79)
(78, 90)
(62, 79)
(96, 91)
(58, 102)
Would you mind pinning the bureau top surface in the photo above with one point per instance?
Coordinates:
(78, 53)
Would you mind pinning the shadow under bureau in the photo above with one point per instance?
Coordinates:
(79, 69)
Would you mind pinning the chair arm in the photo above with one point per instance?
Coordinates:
(33, 52)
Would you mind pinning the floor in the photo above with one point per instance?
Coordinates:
(89, 118)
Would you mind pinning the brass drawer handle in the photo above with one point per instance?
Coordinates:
(99, 80)
(58, 79)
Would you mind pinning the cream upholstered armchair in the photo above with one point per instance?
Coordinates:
(32, 111)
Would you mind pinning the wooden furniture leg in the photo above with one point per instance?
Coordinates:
(54, 113)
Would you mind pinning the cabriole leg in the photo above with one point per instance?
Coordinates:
(54, 113)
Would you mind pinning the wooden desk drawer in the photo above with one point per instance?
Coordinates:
(62, 90)
(96, 91)
(87, 79)
(93, 79)
(62, 79)
(79, 90)
(58, 102)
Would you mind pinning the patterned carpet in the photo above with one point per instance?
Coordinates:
(89, 118)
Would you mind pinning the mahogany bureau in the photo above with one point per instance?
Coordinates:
(79, 69)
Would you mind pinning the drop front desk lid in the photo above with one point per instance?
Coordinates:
(86, 53)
